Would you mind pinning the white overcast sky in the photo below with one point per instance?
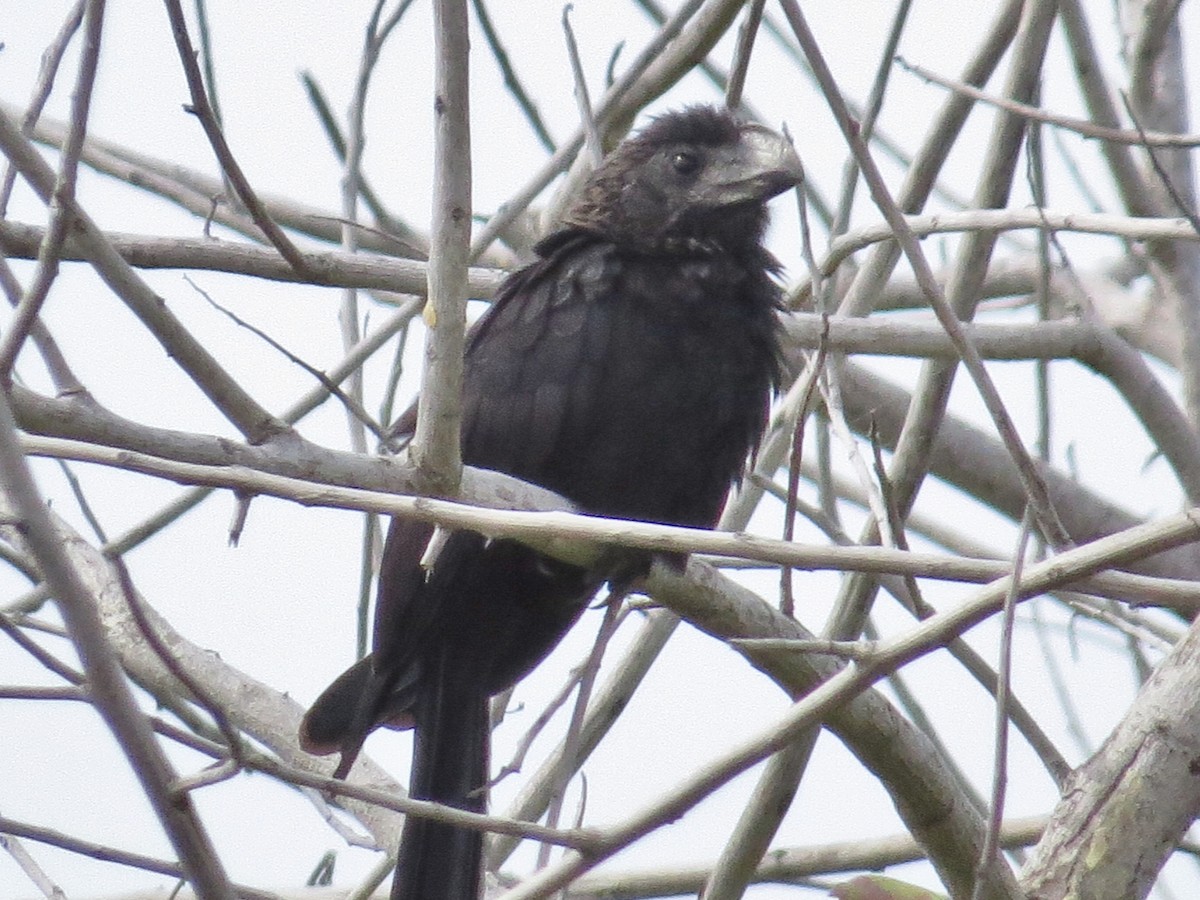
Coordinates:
(281, 605)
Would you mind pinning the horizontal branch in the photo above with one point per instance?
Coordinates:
(579, 838)
(1130, 227)
(581, 538)
(784, 864)
(338, 269)
(286, 454)
(883, 336)
(329, 268)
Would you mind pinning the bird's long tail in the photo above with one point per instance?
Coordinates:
(450, 765)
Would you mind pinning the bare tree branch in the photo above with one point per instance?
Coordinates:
(435, 447)
(106, 682)
(1151, 753)
(62, 196)
(250, 418)
(203, 110)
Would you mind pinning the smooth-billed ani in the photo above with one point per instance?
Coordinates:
(629, 368)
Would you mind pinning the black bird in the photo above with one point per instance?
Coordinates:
(630, 369)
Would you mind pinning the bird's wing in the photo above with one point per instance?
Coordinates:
(531, 359)
(524, 360)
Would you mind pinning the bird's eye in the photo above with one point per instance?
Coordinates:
(685, 163)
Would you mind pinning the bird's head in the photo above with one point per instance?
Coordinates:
(694, 181)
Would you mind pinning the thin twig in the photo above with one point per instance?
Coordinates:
(1036, 114)
(218, 772)
(208, 62)
(580, 839)
(544, 717)
(894, 519)
(1047, 517)
(39, 692)
(62, 197)
(1168, 184)
(1003, 691)
(511, 80)
(196, 690)
(338, 824)
(212, 129)
(858, 650)
(742, 51)
(250, 418)
(52, 57)
(351, 187)
(582, 99)
(85, 507)
(61, 374)
(206, 57)
(27, 864)
(351, 403)
(572, 739)
(870, 114)
(411, 243)
(111, 854)
(41, 654)
(813, 372)
(376, 35)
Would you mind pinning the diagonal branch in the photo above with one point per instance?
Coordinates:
(1135, 798)
(106, 682)
(331, 268)
(62, 196)
(212, 129)
(238, 406)
(1044, 512)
